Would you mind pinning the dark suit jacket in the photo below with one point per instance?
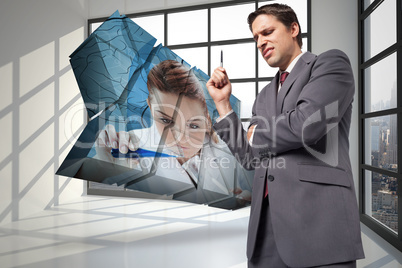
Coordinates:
(301, 148)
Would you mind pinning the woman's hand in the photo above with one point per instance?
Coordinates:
(109, 139)
(242, 194)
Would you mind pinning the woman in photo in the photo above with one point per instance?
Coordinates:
(201, 169)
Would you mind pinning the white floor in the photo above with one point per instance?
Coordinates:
(120, 232)
(96, 231)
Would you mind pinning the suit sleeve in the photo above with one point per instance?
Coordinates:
(230, 130)
(321, 105)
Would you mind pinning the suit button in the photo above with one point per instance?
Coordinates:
(271, 178)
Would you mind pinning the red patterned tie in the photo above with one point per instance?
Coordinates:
(283, 77)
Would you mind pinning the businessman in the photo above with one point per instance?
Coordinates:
(304, 212)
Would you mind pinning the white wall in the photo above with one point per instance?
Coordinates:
(37, 90)
(40, 105)
(335, 25)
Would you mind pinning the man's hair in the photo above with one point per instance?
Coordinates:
(281, 12)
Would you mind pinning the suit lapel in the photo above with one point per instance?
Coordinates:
(272, 95)
(293, 75)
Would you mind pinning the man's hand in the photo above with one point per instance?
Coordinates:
(220, 89)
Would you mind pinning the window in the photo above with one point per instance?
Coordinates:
(380, 117)
(200, 42)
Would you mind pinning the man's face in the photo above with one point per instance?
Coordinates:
(275, 41)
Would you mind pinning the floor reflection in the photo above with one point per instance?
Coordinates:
(117, 232)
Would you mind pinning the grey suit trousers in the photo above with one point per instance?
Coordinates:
(267, 255)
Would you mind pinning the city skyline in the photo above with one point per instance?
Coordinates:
(383, 154)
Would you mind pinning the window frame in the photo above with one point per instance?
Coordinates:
(385, 232)
(256, 79)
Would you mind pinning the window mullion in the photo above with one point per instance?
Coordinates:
(388, 152)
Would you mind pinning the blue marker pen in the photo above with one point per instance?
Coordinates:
(138, 154)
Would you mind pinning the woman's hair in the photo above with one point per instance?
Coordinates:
(173, 77)
(281, 12)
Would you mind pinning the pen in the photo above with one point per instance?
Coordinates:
(221, 58)
(138, 153)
